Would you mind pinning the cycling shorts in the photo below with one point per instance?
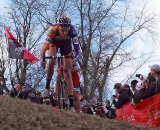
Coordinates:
(64, 45)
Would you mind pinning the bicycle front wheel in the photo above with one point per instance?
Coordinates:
(61, 93)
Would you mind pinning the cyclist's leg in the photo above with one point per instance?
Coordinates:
(76, 84)
(65, 50)
(50, 67)
(67, 64)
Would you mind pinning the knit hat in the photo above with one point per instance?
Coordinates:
(155, 67)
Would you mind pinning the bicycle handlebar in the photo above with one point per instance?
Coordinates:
(53, 57)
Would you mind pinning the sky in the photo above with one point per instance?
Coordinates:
(148, 44)
(2, 5)
(138, 45)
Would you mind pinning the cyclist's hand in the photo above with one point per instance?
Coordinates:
(43, 64)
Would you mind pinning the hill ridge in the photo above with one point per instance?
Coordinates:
(18, 114)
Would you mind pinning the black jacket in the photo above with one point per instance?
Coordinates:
(123, 98)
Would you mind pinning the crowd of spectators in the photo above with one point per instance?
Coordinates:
(26, 93)
(103, 110)
(133, 93)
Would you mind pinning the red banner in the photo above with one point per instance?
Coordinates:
(146, 112)
(17, 51)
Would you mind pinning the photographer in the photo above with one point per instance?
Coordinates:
(134, 86)
(142, 88)
(147, 88)
(153, 81)
(144, 83)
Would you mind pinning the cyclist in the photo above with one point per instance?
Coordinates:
(61, 35)
(76, 83)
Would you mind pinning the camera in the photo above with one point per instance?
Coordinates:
(138, 75)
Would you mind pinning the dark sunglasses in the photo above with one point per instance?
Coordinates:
(65, 29)
(64, 25)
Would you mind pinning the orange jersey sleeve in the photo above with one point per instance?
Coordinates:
(52, 32)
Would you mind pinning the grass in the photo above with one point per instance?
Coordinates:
(16, 114)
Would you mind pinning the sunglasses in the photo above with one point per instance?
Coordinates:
(65, 27)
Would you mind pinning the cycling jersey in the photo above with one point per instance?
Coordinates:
(65, 44)
(54, 32)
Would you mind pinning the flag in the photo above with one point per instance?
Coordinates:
(16, 50)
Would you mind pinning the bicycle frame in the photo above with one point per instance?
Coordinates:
(60, 82)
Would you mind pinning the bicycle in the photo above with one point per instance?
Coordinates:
(60, 82)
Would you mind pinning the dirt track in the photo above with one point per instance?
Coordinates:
(16, 114)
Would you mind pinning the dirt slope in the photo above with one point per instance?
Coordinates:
(16, 114)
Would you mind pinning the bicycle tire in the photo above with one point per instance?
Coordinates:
(61, 92)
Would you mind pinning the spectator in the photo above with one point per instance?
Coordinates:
(151, 80)
(1, 86)
(88, 109)
(16, 91)
(122, 95)
(134, 86)
(25, 92)
(127, 88)
(33, 97)
(152, 84)
(39, 95)
(155, 88)
(109, 111)
(54, 97)
(146, 83)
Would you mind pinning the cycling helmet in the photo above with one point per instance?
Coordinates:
(64, 22)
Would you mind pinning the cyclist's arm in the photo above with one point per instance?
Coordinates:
(45, 47)
(76, 45)
(50, 35)
(77, 48)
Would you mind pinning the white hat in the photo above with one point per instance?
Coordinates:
(155, 67)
